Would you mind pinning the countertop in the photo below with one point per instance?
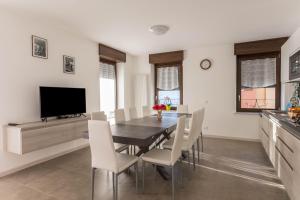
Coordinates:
(282, 119)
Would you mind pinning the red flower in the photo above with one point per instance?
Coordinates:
(159, 107)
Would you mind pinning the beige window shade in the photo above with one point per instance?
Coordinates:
(167, 78)
(258, 73)
(107, 71)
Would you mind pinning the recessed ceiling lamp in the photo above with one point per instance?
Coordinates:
(159, 29)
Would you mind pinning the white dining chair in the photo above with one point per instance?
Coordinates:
(120, 115)
(133, 113)
(165, 157)
(146, 111)
(102, 117)
(104, 155)
(99, 116)
(192, 134)
(182, 109)
(200, 136)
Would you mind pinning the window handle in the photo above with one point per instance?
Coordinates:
(239, 97)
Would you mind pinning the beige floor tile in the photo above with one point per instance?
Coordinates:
(229, 170)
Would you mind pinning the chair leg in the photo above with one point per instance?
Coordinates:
(181, 170)
(173, 183)
(194, 162)
(189, 160)
(116, 189)
(143, 175)
(93, 181)
(114, 186)
(136, 177)
(202, 146)
(198, 150)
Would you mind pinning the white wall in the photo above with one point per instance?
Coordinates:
(21, 74)
(128, 81)
(125, 83)
(214, 89)
(142, 67)
(291, 46)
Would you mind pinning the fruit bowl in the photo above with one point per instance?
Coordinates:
(294, 114)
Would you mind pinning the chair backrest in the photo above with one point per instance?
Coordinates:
(196, 126)
(178, 140)
(101, 144)
(146, 111)
(119, 115)
(133, 113)
(98, 116)
(182, 109)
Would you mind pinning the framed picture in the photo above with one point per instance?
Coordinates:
(39, 47)
(69, 64)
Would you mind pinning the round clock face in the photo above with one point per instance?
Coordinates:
(205, 64)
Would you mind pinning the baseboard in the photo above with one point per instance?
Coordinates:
(44, 159)
(231, 138)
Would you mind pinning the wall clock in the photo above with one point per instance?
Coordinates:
(205, 64)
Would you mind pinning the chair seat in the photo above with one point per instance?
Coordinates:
(158, 156)
(186, 132)
(124, 161)
(169, 144)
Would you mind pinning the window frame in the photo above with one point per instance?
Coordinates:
(110, 62)
(180, 77)
(241, 58)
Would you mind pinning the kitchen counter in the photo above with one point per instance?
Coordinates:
(281, 118)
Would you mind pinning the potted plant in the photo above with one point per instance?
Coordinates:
(159, 108)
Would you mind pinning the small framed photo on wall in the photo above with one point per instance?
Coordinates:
(39, 47)
(69, 64)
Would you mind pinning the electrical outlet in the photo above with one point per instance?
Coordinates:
(206, 128)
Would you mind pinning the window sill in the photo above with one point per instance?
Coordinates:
(247, 113)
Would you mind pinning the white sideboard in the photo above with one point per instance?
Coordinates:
(283, 149)
(28, 137)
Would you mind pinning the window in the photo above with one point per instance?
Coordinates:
(108, 87)
(168, 84)
(258, 82)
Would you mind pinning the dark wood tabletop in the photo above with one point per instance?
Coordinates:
(151, 121)
(143, 132)
(135, 135)
(175, 114)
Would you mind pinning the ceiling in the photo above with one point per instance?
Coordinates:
(124, 24)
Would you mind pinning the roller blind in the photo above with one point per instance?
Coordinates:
(167, 78)
(258, 73)
(107, 71)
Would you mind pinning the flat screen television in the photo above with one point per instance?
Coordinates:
(59, 101)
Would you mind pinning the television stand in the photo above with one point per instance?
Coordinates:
(29, 137)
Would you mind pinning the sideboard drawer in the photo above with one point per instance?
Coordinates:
(285, 150)
(265, 141)
(265, 124)
(286, 138)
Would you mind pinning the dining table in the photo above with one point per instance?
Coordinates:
(146, 132)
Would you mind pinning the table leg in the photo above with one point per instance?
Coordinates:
(142, 150)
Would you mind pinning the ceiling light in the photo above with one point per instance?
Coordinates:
(159, 29)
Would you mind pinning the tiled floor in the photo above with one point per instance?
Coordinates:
(228, 170)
